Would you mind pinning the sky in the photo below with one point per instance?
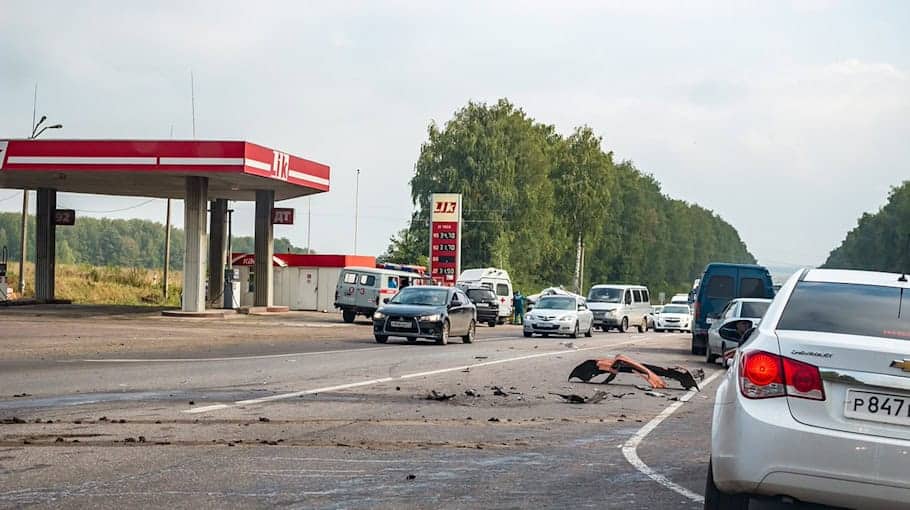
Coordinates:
(787, 118)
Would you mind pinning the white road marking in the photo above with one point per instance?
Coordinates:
(236, 358)
(372, 382)
(229, 358)
(630, 447)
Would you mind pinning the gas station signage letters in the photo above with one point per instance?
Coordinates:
(445, 238)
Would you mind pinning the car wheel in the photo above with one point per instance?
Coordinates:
(381, 339)
(444, 336)
(469, 338)
(643, 327)
(528, 334)
(590, 332)
(658, 330)
(574, 334)
(348, 316)
(717, 500)
(624, 325)
(492, 324)
(710, 357)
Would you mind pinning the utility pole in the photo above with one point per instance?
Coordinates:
(167, 240)
(356, 207)
(167, 248)
(309, 221)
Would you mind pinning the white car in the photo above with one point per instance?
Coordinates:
(816, 407)
(740, 309)
(559, 315)
(673, 318)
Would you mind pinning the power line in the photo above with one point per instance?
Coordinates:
(10, 197)
(118, 210)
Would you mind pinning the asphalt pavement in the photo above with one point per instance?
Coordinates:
(348, 423)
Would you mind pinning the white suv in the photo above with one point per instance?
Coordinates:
(816, 407)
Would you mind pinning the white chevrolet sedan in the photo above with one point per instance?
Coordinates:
(559, 315)
(816, 407)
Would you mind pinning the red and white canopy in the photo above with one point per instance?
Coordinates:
(155, 168)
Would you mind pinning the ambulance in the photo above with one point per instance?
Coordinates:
(494, 279)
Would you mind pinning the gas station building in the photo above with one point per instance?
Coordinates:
(198, 172)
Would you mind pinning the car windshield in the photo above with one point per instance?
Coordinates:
(605, 295)
(874, 310)
(675, 309)
(753, 310)
(481, 295)
(421, 296)
(556, 303)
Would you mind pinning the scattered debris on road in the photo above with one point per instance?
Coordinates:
(412, 477)
(439, 397)
(653, 374)
(498, 392)
(13, 420)
(264, 419)
(578, 399)
(21, 395)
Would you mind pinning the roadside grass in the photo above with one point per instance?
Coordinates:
(102, 285)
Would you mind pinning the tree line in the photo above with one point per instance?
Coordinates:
(880, 241)
(534, 200)
(109, 242)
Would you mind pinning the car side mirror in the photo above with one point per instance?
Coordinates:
(581, 307)
(385, 301)
(736, 330)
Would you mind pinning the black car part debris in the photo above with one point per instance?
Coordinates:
(653, 374)
(578, 399)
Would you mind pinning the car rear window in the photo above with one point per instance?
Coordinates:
(502, 289)
(350, 277)
(753, 310)
(480, 295)
(752, 288)
(720, 287)
(367, 280)
(849, 309)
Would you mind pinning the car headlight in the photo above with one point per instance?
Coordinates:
(378, 315)
(431, 318)
(566, 318)
(611, 312)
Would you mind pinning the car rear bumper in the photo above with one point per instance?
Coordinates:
(487, 315)
(684, 326)
(758, 448)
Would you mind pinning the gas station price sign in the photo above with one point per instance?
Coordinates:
(445, 237)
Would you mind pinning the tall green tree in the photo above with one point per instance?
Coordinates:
(880, 241)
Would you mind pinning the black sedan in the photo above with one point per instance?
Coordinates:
(426, 312)
(487, 304)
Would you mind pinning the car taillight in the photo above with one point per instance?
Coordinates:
(697, 309)
(766, 375)
(803, 380)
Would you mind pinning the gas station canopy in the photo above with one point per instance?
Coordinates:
(205, 174)
(158, 168)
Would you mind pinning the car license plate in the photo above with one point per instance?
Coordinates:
(881, 407)
(400, 324)
(709, 320)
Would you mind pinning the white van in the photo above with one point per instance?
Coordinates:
(620, 306)
(360, 290)
(679, 299)
(494, 279)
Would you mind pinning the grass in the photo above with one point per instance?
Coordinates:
(86, 284)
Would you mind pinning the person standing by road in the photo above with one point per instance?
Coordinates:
(518, 304)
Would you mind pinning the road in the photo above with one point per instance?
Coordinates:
(347, 424)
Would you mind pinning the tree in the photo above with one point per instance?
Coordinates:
(583, 178)
(880, 241)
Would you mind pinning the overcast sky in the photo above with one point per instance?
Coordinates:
(789, 119)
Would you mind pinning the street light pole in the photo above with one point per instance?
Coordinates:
(356, 207)
(23, 225)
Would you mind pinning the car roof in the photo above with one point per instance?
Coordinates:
(752, 300)
(427, 287)
(855, 277)
(731, 264)
(617, 286)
